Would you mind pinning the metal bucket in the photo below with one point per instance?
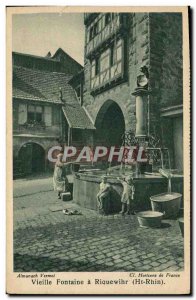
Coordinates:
(150, 219)
(167, 203)
(181, 224)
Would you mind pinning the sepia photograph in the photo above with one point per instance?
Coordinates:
(99, 150)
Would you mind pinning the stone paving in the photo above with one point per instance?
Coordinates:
(51, 241)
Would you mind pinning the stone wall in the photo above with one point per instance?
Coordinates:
(137, 55)
(165, 72)
(166, 57)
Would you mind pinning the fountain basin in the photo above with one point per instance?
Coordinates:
(167, 203)
(150, 219)
(181, 224)
(86, 186)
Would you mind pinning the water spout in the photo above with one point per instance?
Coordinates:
(168, 175)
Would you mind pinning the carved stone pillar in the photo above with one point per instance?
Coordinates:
(141, 96)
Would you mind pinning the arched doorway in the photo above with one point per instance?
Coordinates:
(32, 158)
(110, 125)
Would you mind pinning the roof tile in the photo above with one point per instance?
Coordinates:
(37, 85)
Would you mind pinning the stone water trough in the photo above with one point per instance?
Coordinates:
(86, 186)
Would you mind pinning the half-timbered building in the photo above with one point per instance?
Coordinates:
(122, 52)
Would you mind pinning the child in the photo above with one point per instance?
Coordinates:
(127, 195)
(103, 196)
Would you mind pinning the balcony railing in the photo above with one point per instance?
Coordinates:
(30, 128)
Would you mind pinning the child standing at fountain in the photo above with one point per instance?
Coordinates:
(127, 195)
(103, 196)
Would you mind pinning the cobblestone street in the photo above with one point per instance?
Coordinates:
(47, 240)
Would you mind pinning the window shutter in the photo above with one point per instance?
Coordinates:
(56, 115)
(22, 114)
(48, 115)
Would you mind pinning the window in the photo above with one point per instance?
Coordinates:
(119, 50)
(96, 66)
(115, 52)
(112, 59)
(93, 31)
(105, 60)
(34, 114)
(107, 19)
(108, 66)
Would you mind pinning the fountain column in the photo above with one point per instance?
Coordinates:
(141, 93)
(141, 97)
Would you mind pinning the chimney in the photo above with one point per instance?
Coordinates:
(49, 54)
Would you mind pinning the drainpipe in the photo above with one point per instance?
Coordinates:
(61, 116)
(69, 136)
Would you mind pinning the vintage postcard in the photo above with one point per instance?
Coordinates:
(98, 150)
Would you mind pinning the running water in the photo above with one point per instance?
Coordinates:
(168, 175)
(169, 186)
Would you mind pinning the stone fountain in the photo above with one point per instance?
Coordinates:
(147, 181)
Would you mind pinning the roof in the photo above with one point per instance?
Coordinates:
(77, 78)
(61, 53)
(56, 57)
(45, 86)
(59, 62)
(37, 85)
(76, 116)
(31, 55)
